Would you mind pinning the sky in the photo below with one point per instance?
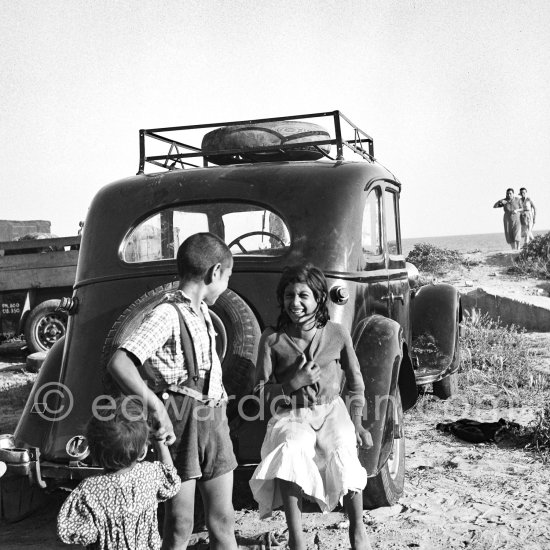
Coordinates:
(455, 94)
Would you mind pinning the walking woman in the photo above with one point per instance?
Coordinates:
(512, 226)
(527, 216)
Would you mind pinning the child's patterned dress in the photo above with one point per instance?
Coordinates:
(118, 510)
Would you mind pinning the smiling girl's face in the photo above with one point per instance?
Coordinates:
(299, 303)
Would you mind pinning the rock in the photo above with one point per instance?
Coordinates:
(381, 514)
(461, 463)
(463, 513)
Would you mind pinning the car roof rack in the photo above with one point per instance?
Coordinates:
(345, 134)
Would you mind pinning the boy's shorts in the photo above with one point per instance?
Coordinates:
(202, 449)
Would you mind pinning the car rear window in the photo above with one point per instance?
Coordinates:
(247, 229)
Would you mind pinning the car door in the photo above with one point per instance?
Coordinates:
(398, 295)
(374, 254)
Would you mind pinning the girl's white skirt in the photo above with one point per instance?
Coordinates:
(314, 448)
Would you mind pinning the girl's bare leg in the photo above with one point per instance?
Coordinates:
(178, 519)
(358, 538)
(292, 504)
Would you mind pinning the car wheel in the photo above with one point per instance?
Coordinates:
(237, 337)
(45, 325)
(386, 487)
(446, 387)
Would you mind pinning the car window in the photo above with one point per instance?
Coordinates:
(248, 230)
(371, 241)
(390, 203)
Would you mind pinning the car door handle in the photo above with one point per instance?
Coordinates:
(393, 297)
(399, 297)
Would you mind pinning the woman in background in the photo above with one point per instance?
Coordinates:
(527, 216)
(512, 226)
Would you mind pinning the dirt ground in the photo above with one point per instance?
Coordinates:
(457, 495)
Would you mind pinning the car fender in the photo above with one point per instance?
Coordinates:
(436, 314)
(378, 344)
(47, 397)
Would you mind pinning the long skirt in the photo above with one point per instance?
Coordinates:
(316, 449)
(512, 227)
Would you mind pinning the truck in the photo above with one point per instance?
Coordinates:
(37, 271)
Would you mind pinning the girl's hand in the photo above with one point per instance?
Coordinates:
(163, 454)
(164, 431)
(308, 373)
(362, 435)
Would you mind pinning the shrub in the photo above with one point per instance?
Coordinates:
(534, 258)
(433, 259)
(498, 355)
(540, 435)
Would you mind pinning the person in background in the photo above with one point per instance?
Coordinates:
(118, 508)
(512, 225)
(527, 216)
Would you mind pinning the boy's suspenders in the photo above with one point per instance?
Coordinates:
(193, 382)
(187, 346)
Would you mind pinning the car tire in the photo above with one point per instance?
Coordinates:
(386, 487)
(45, 325)
(266, 134)
(446, 387)
(237, 337)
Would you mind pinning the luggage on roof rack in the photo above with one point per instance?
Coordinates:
(260, 140)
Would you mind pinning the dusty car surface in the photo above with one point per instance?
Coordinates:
(281, 192)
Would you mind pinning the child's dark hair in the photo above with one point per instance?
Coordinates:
(198, 253)
(117, 436)
(314, 278)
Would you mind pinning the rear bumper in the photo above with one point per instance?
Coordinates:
(26, 462)
(21, 462)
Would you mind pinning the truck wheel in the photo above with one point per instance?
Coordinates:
(237, 337)
(386, 488)
(45, 326)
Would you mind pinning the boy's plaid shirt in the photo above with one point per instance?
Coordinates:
(157, 345)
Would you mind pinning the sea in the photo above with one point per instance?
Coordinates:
(483, 242)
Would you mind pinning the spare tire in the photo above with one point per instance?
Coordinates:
(237, 337)
(266, 134)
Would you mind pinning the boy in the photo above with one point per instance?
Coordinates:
(199, 431)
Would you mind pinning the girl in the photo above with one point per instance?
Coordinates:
(310, 443)
(118, 509)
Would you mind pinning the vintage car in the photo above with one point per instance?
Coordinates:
(279, 191)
